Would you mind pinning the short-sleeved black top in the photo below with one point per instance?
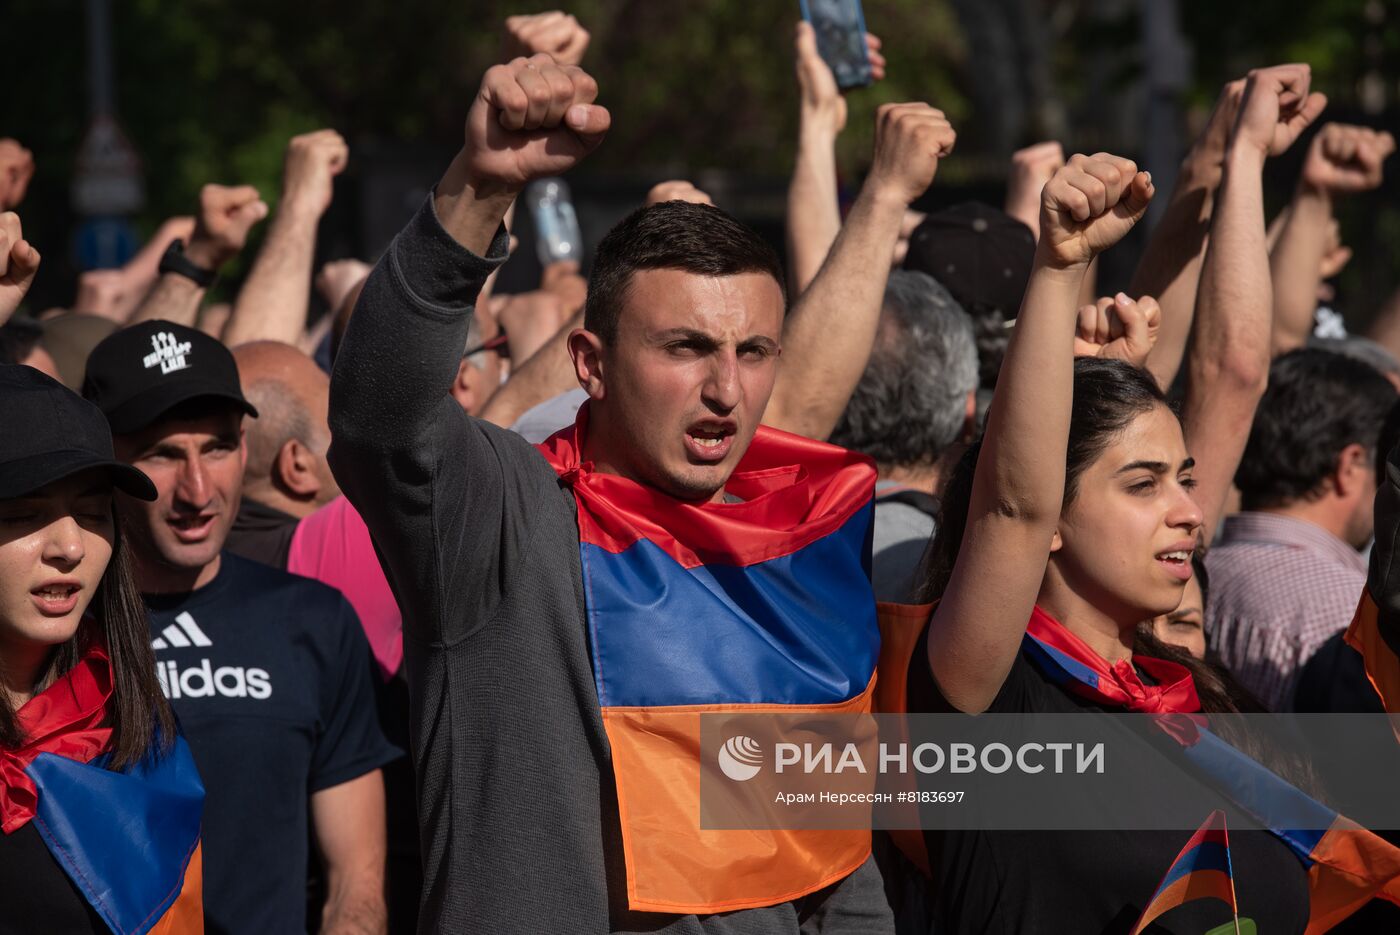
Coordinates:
(1090, 882)
(271, 677)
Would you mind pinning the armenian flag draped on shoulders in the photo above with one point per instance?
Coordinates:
(762, 605)
(129, 840)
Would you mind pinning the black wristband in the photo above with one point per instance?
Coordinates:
(175, 261)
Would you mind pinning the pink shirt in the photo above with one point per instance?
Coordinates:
(333, 546)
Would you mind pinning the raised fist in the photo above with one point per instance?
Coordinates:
(823, 104)
(910, 139)
(1276, 107)
(532, 118)
(1208, 152)
(1344, 158)
(556, 33)
(1031, 168)
(226, 215)
(16, 169)
(677, 190)
(19, 262)
(1089, 205)
(1118, 328)
(313, 161)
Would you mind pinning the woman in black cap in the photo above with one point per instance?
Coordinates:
(99, 800)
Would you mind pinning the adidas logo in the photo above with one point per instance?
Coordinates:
(203, 680)
(183, 632)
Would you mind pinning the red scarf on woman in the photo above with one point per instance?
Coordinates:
(67, 719)
(1071, 664)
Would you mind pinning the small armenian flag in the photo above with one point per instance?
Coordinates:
(1200, 871)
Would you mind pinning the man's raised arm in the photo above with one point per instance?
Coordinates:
(272, 304)
(418, 469)
(829, 331)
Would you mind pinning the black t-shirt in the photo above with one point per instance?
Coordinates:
(36, 895)
(1090, 882)
(271, 678)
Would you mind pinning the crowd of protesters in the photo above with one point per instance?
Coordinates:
(413, 594)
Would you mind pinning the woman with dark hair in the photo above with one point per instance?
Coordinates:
(100, 803)
(1071, 523)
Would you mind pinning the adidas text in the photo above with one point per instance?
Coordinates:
(205, 681)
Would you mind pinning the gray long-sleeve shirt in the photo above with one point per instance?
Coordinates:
(517, 812)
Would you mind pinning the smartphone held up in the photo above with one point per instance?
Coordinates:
(840, 29)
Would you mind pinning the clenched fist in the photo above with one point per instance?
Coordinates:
(1344, 159)
(1118, 328)
(226, 215)
(910, 139)
(19, 262)
(532, 118)
(555, 33)
(1090, 205)
(1276, 107)
(313, 161)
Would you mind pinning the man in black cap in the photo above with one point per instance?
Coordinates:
(269, 673)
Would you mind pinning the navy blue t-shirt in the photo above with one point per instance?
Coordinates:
(271, 678)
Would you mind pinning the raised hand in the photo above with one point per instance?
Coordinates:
(1090, 205)
(910, 139)
(312, 162)
(226, 215)
(1031, 168)
(555, 33)
(677, 190)
(1344, 158)
(823, 105)
(1276, 107)
(1118, 328)
(532, 118)
(19, 262)
(16, 169)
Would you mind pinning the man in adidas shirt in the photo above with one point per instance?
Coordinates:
(269, 673)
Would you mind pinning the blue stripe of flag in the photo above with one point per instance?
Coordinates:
(1208, 855)
(123, 838)
(1296, 818)
(799, 629)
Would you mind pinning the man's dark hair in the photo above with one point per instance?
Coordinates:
(911, 401)
(1317, 403)
(18, 338)
(674, 235)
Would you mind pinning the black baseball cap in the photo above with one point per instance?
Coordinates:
(982, 256)
(51, 433)
(138, 374)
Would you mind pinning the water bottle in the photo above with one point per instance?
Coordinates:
(557, 235)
